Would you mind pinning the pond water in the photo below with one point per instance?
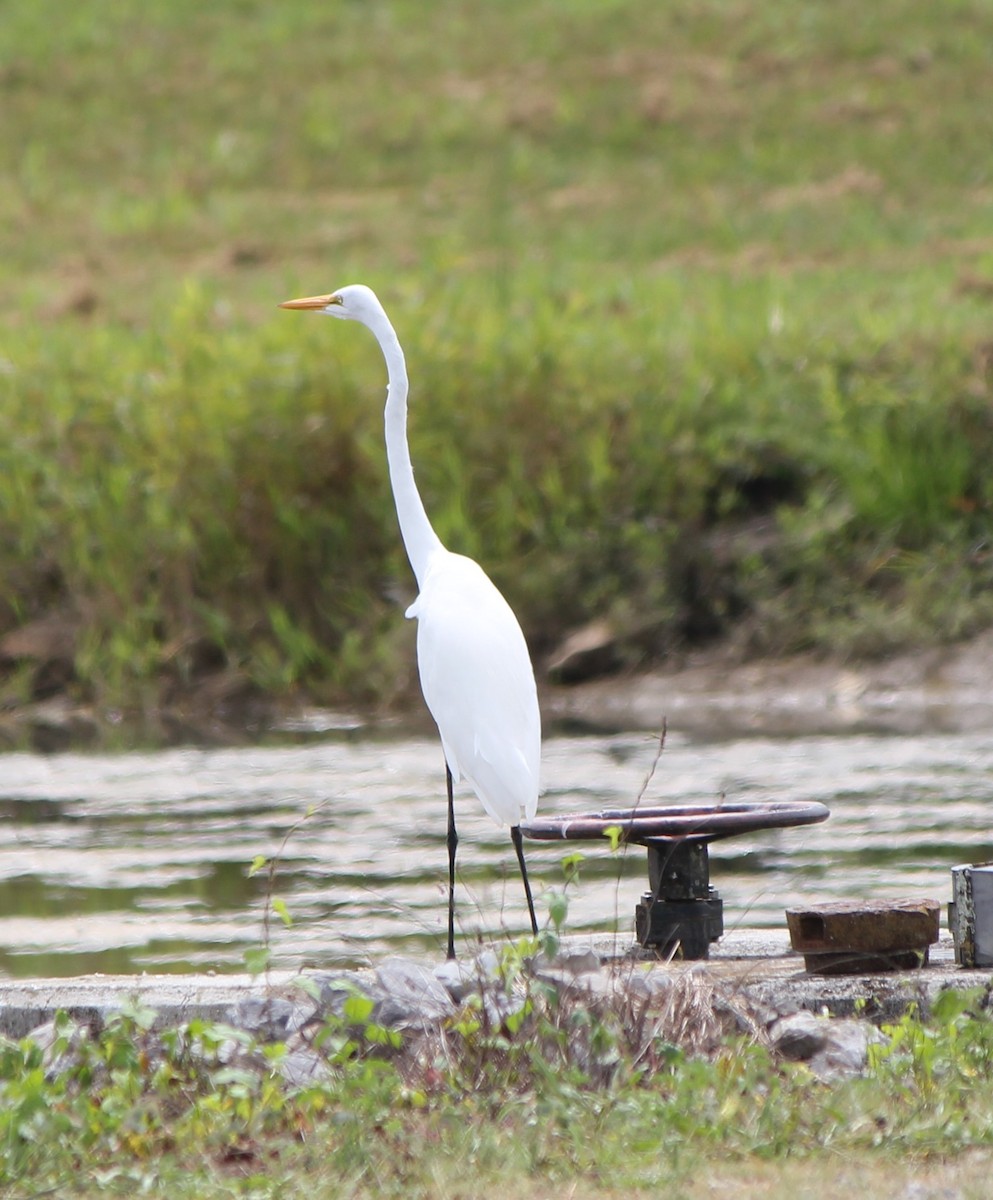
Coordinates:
(141, 862)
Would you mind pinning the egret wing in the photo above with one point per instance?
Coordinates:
(478, 683)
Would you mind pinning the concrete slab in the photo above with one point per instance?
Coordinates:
(768, 971)
(766, 968)
(91, 999)
(760, 962)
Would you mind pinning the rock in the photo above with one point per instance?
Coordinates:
(642, 985)
(337, 987)
(925, 1191)
(271, 1018)
(499, 1006)
(566, 982)
(462, 978)
(800, 1035)
(846, 1049)
(58, 1061)
(832, 1047)
(579, 962)
(456, 978)
(411, 994)
(481, 977)
(303, 1066)
(739, 1014)
(580, 974)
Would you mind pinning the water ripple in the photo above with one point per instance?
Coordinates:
(141, 861)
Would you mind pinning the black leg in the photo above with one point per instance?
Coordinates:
(453, 841)
(515, 837)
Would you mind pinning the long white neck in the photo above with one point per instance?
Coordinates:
(419, 537)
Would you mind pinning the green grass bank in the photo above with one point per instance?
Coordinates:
(564, 1100)
(696, 301)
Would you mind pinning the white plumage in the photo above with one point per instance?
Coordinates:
(478, 683)
(474, 666)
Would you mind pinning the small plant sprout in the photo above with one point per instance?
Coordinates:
(570, 866)
(259, 959)
(281, 911)
(558, 903)
(613, 834)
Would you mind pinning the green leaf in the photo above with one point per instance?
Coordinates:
(515, 1020)
(550, 944)
(381, 1035)
(142, 1016)
(952, 1003)
(237, 1077)
(357, 1009)
(257, 959)
(310, 987)
(571, 864)
(558, 909)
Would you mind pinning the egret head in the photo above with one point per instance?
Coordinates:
(353, 303)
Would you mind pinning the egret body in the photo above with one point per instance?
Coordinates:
(473, 661)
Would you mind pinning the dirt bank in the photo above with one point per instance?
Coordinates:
(945, 688)
(941, 688)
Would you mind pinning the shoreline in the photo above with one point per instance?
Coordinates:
(946, 689)
(942, 689)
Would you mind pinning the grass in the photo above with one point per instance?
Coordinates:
(560, 1099)
(696, 305)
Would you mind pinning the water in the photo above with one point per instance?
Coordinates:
(140, 862)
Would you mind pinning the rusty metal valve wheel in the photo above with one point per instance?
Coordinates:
(681, 913)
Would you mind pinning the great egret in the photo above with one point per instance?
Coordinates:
(475, 670)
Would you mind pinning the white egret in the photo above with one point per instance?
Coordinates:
(475, 670)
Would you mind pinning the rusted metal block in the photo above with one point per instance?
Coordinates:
(849, 937)
(858, 962)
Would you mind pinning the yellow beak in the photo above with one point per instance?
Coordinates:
(311, 302)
